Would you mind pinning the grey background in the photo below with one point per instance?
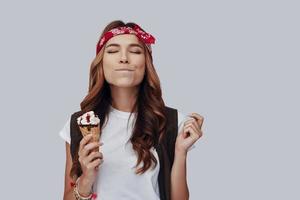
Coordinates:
(234, 62)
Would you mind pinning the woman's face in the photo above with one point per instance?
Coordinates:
(124, 61)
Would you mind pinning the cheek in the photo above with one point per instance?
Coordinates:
(107, 61)
(140, 68)
(139, 62)
(107, 72)
(107, 66)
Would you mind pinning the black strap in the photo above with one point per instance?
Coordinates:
(166, 152)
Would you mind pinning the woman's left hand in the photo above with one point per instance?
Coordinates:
(190, 133)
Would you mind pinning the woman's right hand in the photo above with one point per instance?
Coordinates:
(90, 162)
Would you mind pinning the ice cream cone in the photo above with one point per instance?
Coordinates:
(91, 129)
(89, 123)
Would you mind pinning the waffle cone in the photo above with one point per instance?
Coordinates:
(91, 129)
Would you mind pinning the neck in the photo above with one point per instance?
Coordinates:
(123, 98)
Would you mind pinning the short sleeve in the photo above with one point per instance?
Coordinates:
(65, 132)
(181, 119)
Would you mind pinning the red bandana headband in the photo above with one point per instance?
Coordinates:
(136, 30)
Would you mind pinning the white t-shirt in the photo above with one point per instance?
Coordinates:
(116, 177)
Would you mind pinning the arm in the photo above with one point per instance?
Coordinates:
(190, 133)
(179, 188)
(68, 190)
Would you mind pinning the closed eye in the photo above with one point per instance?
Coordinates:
(112, 51)
(136, 52)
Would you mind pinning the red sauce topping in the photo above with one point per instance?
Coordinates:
(88, 118)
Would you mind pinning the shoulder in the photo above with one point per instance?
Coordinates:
(71, 118)
(181, 116)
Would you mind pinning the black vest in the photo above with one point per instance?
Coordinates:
(165, 150)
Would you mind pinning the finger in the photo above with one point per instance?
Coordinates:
(191, 126)
(87, 148)
(193, 133)
(94, 164)
(196, 125)
(98, 164)
(186, 130)
(84, 141)
(94, 155)
(198, 118)
(90, 158)
(86, 151)
(190, 120)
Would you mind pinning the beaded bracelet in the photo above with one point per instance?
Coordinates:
(78, 196)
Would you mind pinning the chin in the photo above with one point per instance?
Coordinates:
(124, 85)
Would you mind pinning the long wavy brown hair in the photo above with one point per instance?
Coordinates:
(150, 124)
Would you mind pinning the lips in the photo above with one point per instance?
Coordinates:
(124, 69)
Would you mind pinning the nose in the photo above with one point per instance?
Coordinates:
(124, 58)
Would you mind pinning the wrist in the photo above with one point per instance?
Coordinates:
(84, 186)
(181, 153)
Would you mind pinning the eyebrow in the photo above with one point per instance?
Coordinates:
(130, 45)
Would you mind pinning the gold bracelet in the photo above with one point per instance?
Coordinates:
(77, 195)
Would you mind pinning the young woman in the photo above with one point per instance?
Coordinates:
(137, 158)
